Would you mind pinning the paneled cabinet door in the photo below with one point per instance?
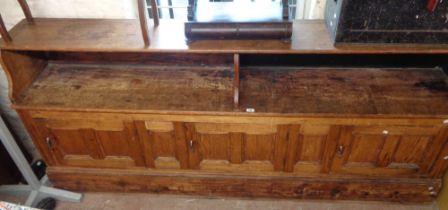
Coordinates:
(90, 143)
(236, 147)
(164, 144)
(310, 147)
(388, 150)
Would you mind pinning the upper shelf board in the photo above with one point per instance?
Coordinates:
(47, 34)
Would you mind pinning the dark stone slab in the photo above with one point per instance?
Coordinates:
(387, 21)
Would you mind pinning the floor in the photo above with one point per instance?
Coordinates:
(120, 201)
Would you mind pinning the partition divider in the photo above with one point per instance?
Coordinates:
(236, 80)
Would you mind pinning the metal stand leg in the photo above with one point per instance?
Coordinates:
(37, 189)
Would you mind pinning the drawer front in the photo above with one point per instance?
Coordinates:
(388, 150)
(89, 142)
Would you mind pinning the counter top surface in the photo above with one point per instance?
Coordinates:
(310, 36)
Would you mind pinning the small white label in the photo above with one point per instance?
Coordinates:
(445, 158)
(445, 122)
(250, 110)
(385, 132)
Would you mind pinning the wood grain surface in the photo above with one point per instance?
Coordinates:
(125, 35)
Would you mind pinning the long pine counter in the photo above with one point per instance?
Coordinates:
(254, 118)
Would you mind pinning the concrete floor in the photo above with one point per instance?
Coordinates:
(131, 201)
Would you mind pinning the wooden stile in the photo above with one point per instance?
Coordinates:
(155, 13)
(26, 10)
(143, 22)
(236, 80)
(3, 31)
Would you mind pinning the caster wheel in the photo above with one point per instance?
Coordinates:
(47, 204)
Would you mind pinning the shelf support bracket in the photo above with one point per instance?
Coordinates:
(26, 10)
(155, 12)
(4, 32)
(142, 11)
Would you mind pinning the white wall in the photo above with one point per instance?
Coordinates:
(310, 9)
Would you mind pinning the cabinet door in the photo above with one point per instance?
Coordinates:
(90, 143)
(164, 144)
(309, 148)
(387, 151)
(236, 147)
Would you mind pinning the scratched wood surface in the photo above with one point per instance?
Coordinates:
(220, 184)
(132, 87)
(268, 90)
(344, 90)
(125, 35)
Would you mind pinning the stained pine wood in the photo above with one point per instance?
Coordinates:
(109, 114)
(236, 80)
(26, 10)
(376, 91)
(90, 143)
(191, 144)
(149, 58)
(143, 20)
(155, 13)
(219, 184)
(441, 164)
(387, 150)
(236, 147)
(124, 35)
(292, 90)
(132, 86)
(21, 68)
(4, 32)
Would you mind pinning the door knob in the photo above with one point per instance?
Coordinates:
(49, 143)
(191, 144)
(340, 150)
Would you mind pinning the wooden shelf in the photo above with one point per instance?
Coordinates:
(125, 35)
(344, 90)
(274, 90)
(126, 87)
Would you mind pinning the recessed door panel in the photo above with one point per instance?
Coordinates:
(91, 143)
(387, 150)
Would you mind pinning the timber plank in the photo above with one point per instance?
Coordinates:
(243, 186)
(344, 90)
